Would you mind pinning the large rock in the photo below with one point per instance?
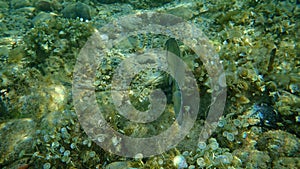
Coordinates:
(279, 144)
(77, 9)
(16, 138)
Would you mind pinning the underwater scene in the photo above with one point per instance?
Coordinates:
(154, 84)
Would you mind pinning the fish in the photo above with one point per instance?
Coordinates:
(172, 48)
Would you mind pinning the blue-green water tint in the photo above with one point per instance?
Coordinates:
(39, 42)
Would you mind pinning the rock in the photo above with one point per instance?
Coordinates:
(118, 165)
(16, 139)
(287, 163)
(253, 158)
(109, 1)
(146, 4)
(184, 12)
(16, 4)
(41, 17)
(78, 9)
(279, 144)
(47, 6)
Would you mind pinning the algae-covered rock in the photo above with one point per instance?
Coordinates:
(253, 158)
(55, 36)
(144, 4)
(109, 1)
(44, 5)
(15, 55)
(16, 139)
(47, 5)
(287, 163)
(77, 10)
(61, 142)
(279, 144)
(118, 165)
(16, 4)
(41, 17)
(185, 12)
